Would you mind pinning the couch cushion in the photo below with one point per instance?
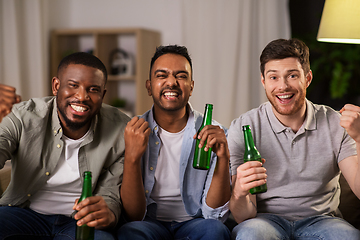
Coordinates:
(349, 204)
(5, 175)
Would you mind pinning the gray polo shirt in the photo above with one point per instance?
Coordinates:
(302, 167)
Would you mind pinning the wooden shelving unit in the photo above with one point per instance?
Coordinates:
(140, 43)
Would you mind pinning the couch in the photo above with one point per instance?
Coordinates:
(5, 175)
(349, 203)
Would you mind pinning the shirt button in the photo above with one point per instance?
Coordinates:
(147, 191)
(157, 143)
(47, 173)
(155, 128)
(29, 195)
(58, 146)
(60, 130)
(151, 168)
(293, 143)
(55, 131)
(9, 205)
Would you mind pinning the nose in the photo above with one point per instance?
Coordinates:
(284, 83)
(82, 94)
(171, 81)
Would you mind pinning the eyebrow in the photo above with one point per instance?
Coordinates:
(175, 72)
(72, 80)
(160, 70)
(288, 71)
(77, 82)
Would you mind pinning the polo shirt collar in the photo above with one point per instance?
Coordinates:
(310, 119)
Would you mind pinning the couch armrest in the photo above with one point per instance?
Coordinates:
(349, 204)
(5, 176)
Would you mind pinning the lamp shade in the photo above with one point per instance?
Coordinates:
(340, 22)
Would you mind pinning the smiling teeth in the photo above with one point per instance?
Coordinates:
(170, 94)
(78, 108)
(285, 96)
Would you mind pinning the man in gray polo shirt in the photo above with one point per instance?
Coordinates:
(304, 149)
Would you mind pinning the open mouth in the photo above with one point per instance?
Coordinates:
(285, 98)
(170, 95)
(78, 108)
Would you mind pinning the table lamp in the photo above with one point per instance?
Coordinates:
(340, 22)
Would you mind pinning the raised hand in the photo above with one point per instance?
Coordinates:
(8, 98)
(137, 133)
(350, 120)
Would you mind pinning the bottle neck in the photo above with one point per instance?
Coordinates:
(207, 115)
(87, 188)
(249, 141)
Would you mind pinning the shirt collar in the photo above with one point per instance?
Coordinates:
(154, 126)
(55, 122)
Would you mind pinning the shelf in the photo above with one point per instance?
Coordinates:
(138, 43)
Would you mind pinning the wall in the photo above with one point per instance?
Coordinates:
(211, 30)
(161, 15)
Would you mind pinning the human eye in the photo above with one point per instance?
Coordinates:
(72, 84)
(181, 76)
(272, 77)
(94, 89)
(161, 75)
(293, 76)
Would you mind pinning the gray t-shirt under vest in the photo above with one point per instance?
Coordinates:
(302, 167)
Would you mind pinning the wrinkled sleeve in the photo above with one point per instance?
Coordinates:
(109, 185)
(220, 213)
(10, 129)
(236, 145)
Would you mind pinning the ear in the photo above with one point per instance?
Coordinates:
(148, 86)
(192, 87)
(263, 80)
(309, 77)
(55, 85)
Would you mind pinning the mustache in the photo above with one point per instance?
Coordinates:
(176, 89)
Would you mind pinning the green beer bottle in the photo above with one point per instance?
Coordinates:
(201, 157)
(85, 232)
(252, 154)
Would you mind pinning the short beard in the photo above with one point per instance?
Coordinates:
(297, 105)
(74, 126)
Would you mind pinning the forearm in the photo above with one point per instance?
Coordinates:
(219, 191)
(132, 192)
(242, 208)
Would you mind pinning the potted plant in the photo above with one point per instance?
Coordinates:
(336, 73)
